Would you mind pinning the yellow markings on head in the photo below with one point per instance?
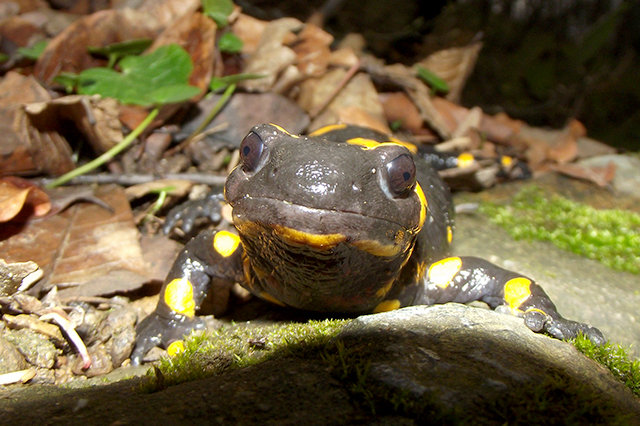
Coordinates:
(411, 147)
(449, 234)
(266, 296)
(284, 130)
(175, 348)
(386, 306)
(377, 249)
(441, 273)
(327, 129)
(423, 203)
(537, 310)
(465, 159)
(363, 142)
(516, 292)
(225, 243)
(179, 297)
(322, 241)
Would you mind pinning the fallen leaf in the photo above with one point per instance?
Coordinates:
(272, 55)
(249, 30)
(67, 52)
(399, 108)
(94, 117)
(195, 33)
(164, 12)
(359, 92)
(85, 250)
(598, 175)
(454, 66)
(312, 50)
(21, 196)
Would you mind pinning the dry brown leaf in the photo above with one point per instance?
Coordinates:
(344, 57)
(86, 247)
(249, 30)
(598, 175)
(93, 117)
(21, 196)
(164, 12)
(312, 50)
(17, 32)
(399, 108)
(196, 34)
(67, 52)
(357, 116)
(417, 91)
(24, 152)
(272, 55)
(558, 146)
(454, 66)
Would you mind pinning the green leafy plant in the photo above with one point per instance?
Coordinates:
(160, 77)
(436, 84)
(34, 51)
(229, 43)
(218, 10)
(116, 51)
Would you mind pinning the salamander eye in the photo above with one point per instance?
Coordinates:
(250, 151)
(401, 172)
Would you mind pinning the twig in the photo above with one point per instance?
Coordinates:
(70, 331)
(136, 179)
(107, 155)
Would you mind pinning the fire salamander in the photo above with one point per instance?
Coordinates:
(344, 220)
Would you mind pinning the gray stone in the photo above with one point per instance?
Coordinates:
(627, 177)
(36, 348)
(10, 358)
(467, 360)
(583, 290)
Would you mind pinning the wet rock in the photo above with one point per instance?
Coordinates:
(627, 177)
(469, 360)
(44, 376)
(88, 321)
(10, 358)
(35, 347)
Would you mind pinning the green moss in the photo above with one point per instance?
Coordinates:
(212, 353)
(609, 236)
(615, 358)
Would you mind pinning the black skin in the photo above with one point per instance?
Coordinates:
(334, 226)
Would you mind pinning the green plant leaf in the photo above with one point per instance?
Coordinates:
(436, 83)
(220, 83)
(218, 10)
(173, 93)
(67, 79)
(229, 43)
(116, 51)
(3, 57)
(34, 51)
(141, 77)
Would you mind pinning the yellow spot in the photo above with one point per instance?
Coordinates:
(387, 305)
(179, 297)
(423, 204)
(270, 298)
(506, 161)
(175, 348)
(442, 272)
(283, 130)
(366, 143)
(225, 243)
(377, 249)
(449, 234)
(465, 159)
(516, 292)
(327, 129)
(536, 310)
(384, 290)
(322, 241)
(411, 147)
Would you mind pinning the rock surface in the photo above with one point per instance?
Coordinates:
(455, 362)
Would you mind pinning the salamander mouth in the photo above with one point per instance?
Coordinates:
(317, 227)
